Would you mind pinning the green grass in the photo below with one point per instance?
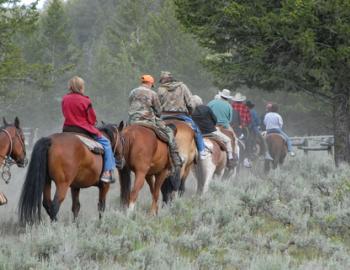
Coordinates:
(283, 221)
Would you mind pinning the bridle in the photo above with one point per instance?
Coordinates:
(7, 160)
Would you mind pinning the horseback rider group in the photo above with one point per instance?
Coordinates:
(173, 99)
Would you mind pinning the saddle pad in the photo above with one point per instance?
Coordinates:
(92, 145)
(163, 137)
(217, 140)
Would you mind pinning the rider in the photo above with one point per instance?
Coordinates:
(245, 120)
(223, 111)
(274, 122)
(79, 116)
(206, 120)
(255, 128)
(144, 106)
(175, 100)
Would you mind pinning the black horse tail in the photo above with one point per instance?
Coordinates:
(32, 190)
(125, 185)
(172, 183)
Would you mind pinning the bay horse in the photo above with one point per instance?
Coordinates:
(65, 160)
(212, 167)
(12, 150)
(148, 157)
(185, 140)
(277, 148)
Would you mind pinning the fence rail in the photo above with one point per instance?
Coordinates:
(314, 143)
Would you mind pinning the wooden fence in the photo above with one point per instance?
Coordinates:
(314, 143)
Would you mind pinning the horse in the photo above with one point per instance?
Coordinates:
(188, 152)
(12, 150)
(64, 159)
(277, 148)
(148, 157)
(213, 166)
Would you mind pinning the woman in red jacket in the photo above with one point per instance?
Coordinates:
(79, 114)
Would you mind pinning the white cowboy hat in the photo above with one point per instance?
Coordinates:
(239, 97)
(225, 93)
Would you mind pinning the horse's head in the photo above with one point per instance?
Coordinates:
(113, 132)
(17, 148)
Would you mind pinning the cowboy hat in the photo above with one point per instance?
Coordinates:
(225, 93)
(239, 97)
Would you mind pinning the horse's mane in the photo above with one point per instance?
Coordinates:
(109, 129)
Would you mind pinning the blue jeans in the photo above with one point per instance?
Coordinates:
(284, 135)
(108, 157)
(198, 135)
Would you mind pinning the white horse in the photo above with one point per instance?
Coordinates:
(213, 167)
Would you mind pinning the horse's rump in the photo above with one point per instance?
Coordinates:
(277, 147)
(69, 155)
(142, 145)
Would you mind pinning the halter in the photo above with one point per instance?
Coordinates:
(7, 160)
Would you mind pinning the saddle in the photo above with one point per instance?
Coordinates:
(216, 139)
(91, 144)
(265, 134)
(160, 135)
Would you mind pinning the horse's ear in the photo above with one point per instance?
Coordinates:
(16, 122)
(4, 121)
(121, 125)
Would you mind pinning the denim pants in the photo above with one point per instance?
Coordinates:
(284, 135)
(108, 157)
(198, 135)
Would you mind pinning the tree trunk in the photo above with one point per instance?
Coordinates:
(341, 125)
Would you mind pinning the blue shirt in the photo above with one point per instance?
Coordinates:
(255, 119)
(222, 110)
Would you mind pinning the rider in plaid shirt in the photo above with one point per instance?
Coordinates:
(244, 113)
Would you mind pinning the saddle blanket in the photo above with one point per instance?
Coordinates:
(163, 137)
(209, 144)
(92, 145)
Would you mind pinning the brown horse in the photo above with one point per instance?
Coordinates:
(148, 157)
(12, 150)
(213, 166)
(277, 148)
(188, 152)
(64, 159)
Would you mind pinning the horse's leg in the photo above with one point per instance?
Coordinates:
(150, 181)
(103, 189)
(183, 179)
(156, 190)
(60, 194)
(75, 202)
(47, 202)
(139, 181)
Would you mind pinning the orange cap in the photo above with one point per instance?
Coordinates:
(147, 79)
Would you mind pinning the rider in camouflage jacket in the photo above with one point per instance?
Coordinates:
(176, 102)
(144, 107)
